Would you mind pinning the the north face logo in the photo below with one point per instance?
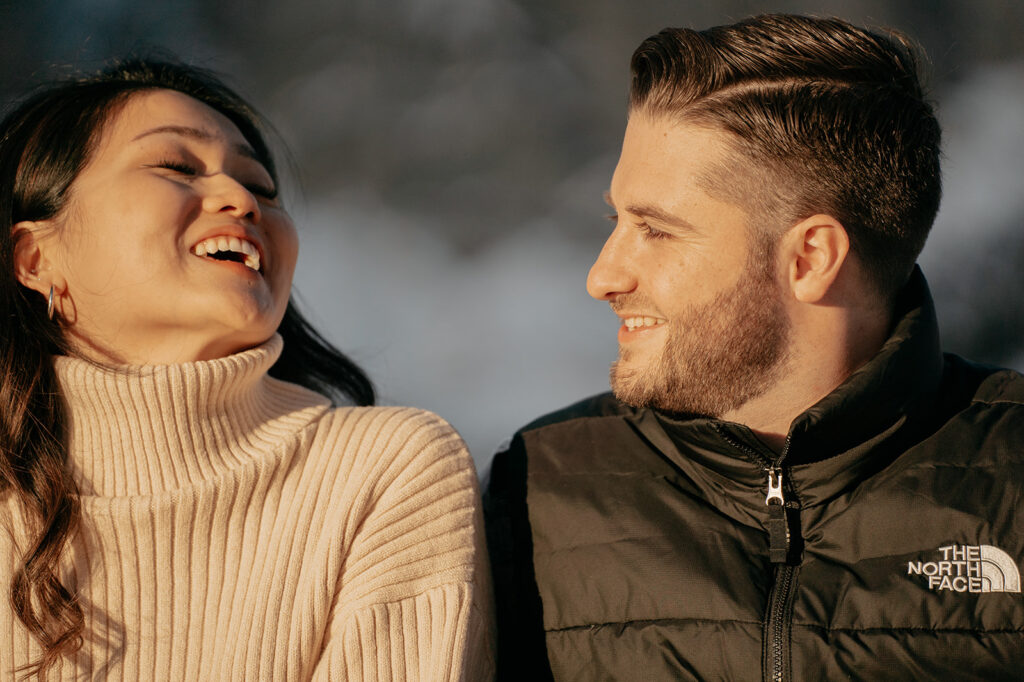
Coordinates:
(969, 568)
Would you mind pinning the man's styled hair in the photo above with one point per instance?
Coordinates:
(831, 117)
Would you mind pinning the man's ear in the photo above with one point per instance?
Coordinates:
(815, 250)
(33, 263)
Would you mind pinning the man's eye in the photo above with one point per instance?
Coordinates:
(650, 232)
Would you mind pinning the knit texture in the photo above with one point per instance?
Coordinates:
(236, 527)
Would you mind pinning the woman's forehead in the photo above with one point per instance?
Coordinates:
(157, 112)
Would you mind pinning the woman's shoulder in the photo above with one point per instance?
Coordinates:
(391, 441)
(389, 422)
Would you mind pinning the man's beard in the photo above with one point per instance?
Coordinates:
(717, 356)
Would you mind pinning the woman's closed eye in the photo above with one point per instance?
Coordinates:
(261, 191)
(178, 166)
(185, 168)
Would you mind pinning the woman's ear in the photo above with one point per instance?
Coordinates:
(33, 262)
(815, 250)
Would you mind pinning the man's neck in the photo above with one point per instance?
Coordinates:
(821, 358)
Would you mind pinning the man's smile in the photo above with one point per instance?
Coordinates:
(637, 322)
(636, 326)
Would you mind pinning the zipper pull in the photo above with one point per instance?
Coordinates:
(774, 488)
(778, 529)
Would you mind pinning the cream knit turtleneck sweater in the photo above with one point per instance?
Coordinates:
(235, 527)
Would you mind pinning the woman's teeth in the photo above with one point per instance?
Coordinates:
(250, 255)
(634, 323)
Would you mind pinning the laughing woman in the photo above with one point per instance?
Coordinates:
(178, 498)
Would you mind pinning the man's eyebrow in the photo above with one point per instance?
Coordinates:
(647, 211)
(658, 214)
(195, 134)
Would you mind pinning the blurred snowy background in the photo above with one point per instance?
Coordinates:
(449, 158)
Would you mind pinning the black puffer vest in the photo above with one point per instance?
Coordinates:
(885, 543)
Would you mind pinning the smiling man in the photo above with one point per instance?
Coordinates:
(703, 327)
(791, 480)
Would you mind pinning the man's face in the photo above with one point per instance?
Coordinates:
(704, 328)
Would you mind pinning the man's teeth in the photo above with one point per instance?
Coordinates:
(633, 323)
(213, 245)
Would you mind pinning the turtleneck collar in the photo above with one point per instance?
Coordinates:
(142, 430)
(855, 429)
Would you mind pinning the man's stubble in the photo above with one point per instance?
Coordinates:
(718, 355)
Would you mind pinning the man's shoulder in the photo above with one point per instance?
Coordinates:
(1005, 386)
(981, 383)
(555, 436)
(600, 405)
(983, 411)
(594, 408)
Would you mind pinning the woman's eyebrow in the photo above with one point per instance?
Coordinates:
(195, 134)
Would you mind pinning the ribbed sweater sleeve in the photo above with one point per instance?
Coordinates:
(235, 527)
(410, 603)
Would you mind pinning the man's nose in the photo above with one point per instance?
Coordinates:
(612, 272)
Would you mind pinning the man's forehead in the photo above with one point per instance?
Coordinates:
(659, 156)
(671, 163)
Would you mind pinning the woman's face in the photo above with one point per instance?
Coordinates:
(173, 246)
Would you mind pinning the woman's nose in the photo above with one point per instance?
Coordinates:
(227, 195)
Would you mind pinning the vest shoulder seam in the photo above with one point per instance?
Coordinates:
(911, 629)
(653, 621)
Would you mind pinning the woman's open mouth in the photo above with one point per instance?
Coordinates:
(230, 249)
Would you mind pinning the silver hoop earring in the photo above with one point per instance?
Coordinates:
(49, 304)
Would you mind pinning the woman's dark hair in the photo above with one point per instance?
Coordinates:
(44, 144)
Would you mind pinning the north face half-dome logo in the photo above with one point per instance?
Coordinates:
(969, 568)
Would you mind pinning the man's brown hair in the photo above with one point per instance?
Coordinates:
(826, 118)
